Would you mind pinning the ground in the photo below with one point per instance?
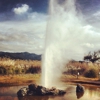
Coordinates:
(82, 80)
(25, 79)
(22, 79)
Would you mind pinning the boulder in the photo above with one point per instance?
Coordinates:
(79, 95)
(61, 92)
(79, 88)
(34, 89)
(40, 90)
(22, 92)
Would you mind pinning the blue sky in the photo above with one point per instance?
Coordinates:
(23, 24)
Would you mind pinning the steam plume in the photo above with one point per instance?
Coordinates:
(66, 31)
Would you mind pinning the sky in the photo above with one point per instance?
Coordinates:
(23, 24)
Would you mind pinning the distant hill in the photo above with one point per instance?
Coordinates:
(21, 56)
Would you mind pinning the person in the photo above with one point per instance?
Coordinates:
(78, 75)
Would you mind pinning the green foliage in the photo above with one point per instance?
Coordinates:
(91, 73)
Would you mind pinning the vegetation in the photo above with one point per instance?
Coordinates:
(24, 79)
(86, 69)
(91, 73)
(93, 57)
(14, 67)
(9, 66)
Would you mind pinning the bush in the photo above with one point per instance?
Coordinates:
(91, 73)
(2, 70)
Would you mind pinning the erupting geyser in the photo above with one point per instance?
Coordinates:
(65, 39)
(65, 33)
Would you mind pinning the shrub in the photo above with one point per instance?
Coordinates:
(91, 73)
(2, 70)
(23, 71)
(17, 71)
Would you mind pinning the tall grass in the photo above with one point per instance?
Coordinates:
(87, 69)
(10, 66)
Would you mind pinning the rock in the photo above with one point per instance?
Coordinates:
(45, 91)
(61, 92)
(40, 90)
(22, 92)
(79, 95)
(79, 91)
(34, 89)
(79, 88)
(37, 90)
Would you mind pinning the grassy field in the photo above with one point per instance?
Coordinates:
(24, 72)
(10, 66)
(14, 80)
(26, 79)
(19, 72)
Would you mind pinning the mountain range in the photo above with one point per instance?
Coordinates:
(21, 56)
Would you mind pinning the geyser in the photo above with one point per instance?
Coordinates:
(64, 38)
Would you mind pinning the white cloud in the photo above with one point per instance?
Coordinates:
(29, 34)
(88, 45)
(24, 35)
(21, 10)
(97, 13)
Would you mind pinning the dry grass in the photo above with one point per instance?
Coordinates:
(7, 62)
(19, 79)
(72, 68)
(10, 77)
(82, 67)
(9, 66)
